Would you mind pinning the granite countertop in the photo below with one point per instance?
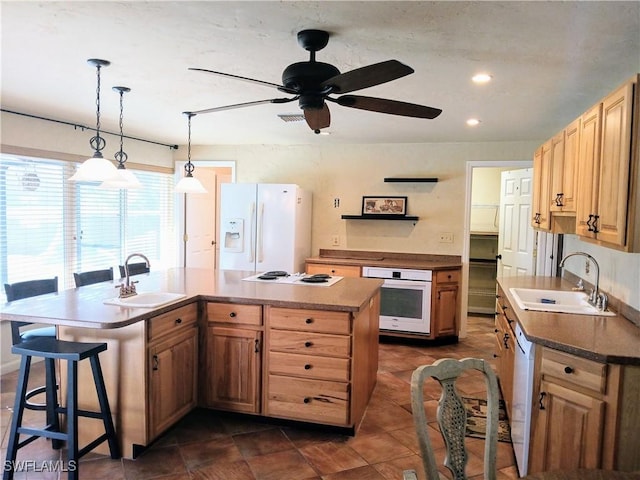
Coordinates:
(362, 258)
(611, 339)
(84, 307)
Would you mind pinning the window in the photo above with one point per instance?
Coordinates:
(52, 227)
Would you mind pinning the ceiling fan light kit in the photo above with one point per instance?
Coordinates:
(96, 168)
(311, 83)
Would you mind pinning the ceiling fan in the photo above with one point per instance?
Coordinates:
(312, 83)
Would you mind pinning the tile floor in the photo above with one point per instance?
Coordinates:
(208, 445)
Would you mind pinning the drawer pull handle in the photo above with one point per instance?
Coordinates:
(307, 400)
(308, 344)
(232, 314)
(505, 340)
(257, 347)
(307, 367)
(309, 321)
(155, 362)
(542, 395)
(178, 321)
(568, 370)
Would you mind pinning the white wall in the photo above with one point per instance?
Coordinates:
(348, 172)
(619, 271)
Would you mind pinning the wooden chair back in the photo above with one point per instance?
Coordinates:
(30, 288)
(452, 417)
(94, 276)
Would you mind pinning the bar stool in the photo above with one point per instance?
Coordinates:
(51, 350)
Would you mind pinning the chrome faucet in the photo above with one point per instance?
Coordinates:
(595, 298)
(128, 289)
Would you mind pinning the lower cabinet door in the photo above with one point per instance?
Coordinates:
(308, 400)
(233, 368)
(173, 374)
(568, 430)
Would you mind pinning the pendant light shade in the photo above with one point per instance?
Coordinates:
(96, 168)
(188, 183)
(125, 179)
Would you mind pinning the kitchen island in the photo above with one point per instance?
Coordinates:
(298, 352)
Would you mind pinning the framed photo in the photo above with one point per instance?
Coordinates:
(384, 206)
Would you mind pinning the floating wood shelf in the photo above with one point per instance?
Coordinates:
(411, 179)
(379, 217)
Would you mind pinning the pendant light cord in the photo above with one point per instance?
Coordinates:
(120, 156)
(188, 167)
(97, 142)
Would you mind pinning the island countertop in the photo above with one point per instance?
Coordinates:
(604, 339)
(84, 307)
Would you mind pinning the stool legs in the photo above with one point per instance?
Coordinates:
(16, 420)
(72, 419)
(101, 390)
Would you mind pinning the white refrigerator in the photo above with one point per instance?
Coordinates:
(264, 227)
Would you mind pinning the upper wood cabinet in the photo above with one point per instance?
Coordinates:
(564, 171)
(541, 186)
(608, 171)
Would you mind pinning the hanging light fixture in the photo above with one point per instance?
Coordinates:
(96, 168)
(188, 183)
(126, 179)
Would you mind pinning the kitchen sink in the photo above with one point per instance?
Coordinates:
(146, 299)
(559, 301)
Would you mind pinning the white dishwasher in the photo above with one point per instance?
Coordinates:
(522, 399)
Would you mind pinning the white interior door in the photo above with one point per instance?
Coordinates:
(200, 225)
(516, 239)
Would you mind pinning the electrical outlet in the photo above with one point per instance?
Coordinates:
(335, 240)
(445, 237)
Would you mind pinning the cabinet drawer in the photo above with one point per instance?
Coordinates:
(310, 343)
(234, 313)
(308, 400)
(444, 276)
(309, 366)
(310, 320)
(172, 322)
(575, 370)
(337, 270)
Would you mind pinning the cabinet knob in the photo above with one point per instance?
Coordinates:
(496, 330)
(307, 367)
(542, 395)
(308, 321)
(232, 314)
(568, 370)
(307, 400)
(178, 321)
(308, 344)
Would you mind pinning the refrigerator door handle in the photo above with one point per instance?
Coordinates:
(259, 252)
(252, 236)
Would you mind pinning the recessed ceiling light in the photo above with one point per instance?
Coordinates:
(481, 78)
(472, 122)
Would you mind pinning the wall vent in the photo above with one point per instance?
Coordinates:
(292, 117)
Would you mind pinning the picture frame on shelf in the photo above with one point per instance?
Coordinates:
(384, 205)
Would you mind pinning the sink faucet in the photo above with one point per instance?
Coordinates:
(128, 289)
(594, 298)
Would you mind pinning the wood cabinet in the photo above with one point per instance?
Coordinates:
(585, 415)
(172, 365)
(445, 304)
(233, 357)
(337, 270)
(540, 207)
(564, 169)
(321, 365)
(505, 346)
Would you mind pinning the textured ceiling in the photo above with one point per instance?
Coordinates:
(550, 61)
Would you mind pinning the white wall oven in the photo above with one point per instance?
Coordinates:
(405, 298)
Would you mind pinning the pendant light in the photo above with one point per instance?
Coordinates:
(126, 180)
(96, 168)
(188, 183)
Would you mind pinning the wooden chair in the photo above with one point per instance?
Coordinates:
(134, 269)
(452, 417)
(94, 276)
(30, 288)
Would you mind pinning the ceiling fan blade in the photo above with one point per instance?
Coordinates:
(245, 104)
(246, 79)
(317, 118)
(384, 105)
(367, 76)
